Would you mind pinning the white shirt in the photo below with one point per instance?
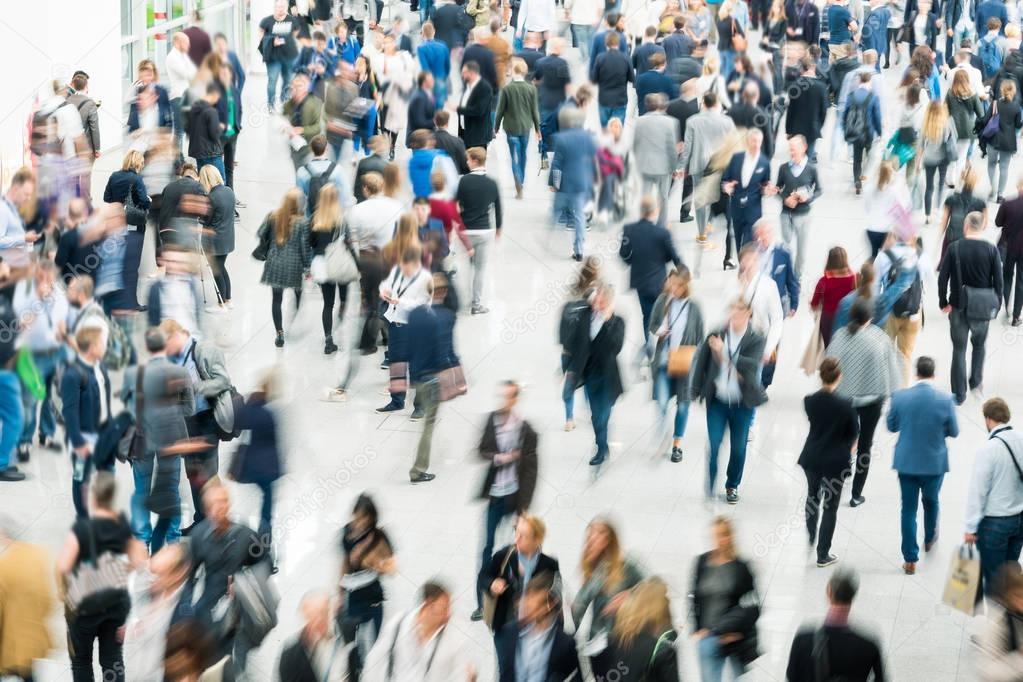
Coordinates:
(371, 222)
(411, 293)
(39, 317)
(749, 164)
(995, 486)
(69, 123)
(177, 302)
(451, 662)
(181, 70)
(536, 15)
(584, 12)
(726, 384)
(465, 96)
(768, 314)
(976, 77)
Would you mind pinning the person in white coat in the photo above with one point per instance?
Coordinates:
(420, 646)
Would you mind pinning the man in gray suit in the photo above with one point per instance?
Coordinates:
(705, 134)
(656, 147)
(165, 390)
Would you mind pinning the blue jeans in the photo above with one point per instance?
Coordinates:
(999, 541)
(215, 161)
(10, 415)
(712, 663)
(498, 509)
(517, 149)
(440, 91)
(582, 35)
(727, 63)
(599, 397)
(266, 510)
(167, 530)
(664, 391)
(548, 126)
(425, 11)
(738, 419)
(568, 388)
(607, 113)
(914, 489)
(274, 71)
(46, 363)
(572, 205)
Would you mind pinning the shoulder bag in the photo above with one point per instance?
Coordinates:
(489, 600)
(341, 265)
(1012, 455)
(134, 215)
(263, 247)
(739, 43)
(992, 126)
(977, 303)
(96, 580)
(680, 360)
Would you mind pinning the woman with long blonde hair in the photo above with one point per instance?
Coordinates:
(406, 235)
(958, 205)
(938, 145)
(643, 638)
(607, 578)
(724, 595)
(288, 255)
(711, 80)
(219, 237)
(325, 228)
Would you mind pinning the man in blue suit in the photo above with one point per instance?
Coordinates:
(923, 417)
(572, 174)
(746, 180)
(647, 247)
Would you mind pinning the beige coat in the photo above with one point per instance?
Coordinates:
(26, 602)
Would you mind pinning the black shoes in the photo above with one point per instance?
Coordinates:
(731, 496)
(577, 257)
(1016, 322)
(422, 477)
(279, 341)
(857, 500)
(597, 459)
(49, 443)
(729, 264)
(829, 560)
(417, 414)
(676, 454)
(390, 407)
(477, 615)
(24, 450)
(329, 348)
(11, 475)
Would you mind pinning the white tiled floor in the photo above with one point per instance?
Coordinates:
(337, 451)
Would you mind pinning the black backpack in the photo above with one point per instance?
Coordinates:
(856, 123)
(908, 303)
(316, 183)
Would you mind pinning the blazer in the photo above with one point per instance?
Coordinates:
(752, 116)
(923, 417)
(647, 247)
(420, 112)
(165, 113)
(434, 57)
(741, 616)
(433, 327)
(833, 430)
(452, 24)
(296, 666)
(655, 144)
(121, 183)
(745, 205)
(482, 55)
(808, 108)
(705, 133)
(80, 395)
(89, 111)
(784, 275)
(370, 164)
(477, 131)
(526, 466)
(573, 168)
(602, 355)
(506, 608)
(170, 200)
(804, 21)
(562, 665)
(706, 368)
(453, 147)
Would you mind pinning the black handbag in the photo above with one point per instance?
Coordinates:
(134, 215)
(977, 303)
(263, 247)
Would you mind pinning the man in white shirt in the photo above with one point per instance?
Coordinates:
(994, 502)
(181, 71)
(962, 63)
(535, 16)
(154, 606)
(418, 645)
(759, 290)
(42, 312)
(12, 227)
(406, 287)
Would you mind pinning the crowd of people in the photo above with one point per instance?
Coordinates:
(105, 352)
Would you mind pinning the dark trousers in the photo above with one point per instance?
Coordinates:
(646, 305)
(929, 189)
(767, 373)
(999, 541)
(1013, 264)
(548, 126)
(328, 290)
(80, 489)
(371, 271)
(860, 151)
(599, 397)
(916, 489)
(222, 280)
(869, 415)
(498, 509)
(201, 467)
(823, 494)
(876, 241)
(82, 632)
(266, 512)
(132, 260)
(275, 306)
(687, 198)
(963, 330)
(743, 231)
(737, 419)
(230, 146)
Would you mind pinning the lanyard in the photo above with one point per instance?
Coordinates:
(408, 284)
(731, 353)
(189, 354)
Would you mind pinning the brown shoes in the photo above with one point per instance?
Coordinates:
(909, 568)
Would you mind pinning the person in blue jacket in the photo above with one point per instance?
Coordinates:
(435, 57)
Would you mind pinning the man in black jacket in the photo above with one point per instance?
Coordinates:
(177, 201)
(611, 73)
(204, 129)
(509, 445)
(843, 653)
(85, 394)
(646, 248)
(315, 655)
(448, 143)
(559, 660)
(451, 24)
(474, 107)
(682, 109)
(748, 114)
(551, 77)
(1010, 219)
(421, 106)
(479, 53)
(725, 374)
(808, 105)
(595, 345)
(971, 262)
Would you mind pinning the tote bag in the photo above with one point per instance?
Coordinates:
(813, 356)
(963, 580)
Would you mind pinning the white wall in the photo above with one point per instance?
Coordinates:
(43, 40)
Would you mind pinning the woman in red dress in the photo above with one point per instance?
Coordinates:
(837, 281)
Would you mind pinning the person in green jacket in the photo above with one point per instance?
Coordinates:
(303, 112)
(518, 108)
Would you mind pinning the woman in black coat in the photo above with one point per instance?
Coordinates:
(123, 184)
(644, 640)
(219, 237)
(725, 607)
(1001, 147)
(826, 457)
(260, 459)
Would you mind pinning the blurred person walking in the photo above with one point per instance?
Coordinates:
(27, 602)
(287, 255)
(85, 398)
(314, 654)
(535, 646)
(218, 236)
